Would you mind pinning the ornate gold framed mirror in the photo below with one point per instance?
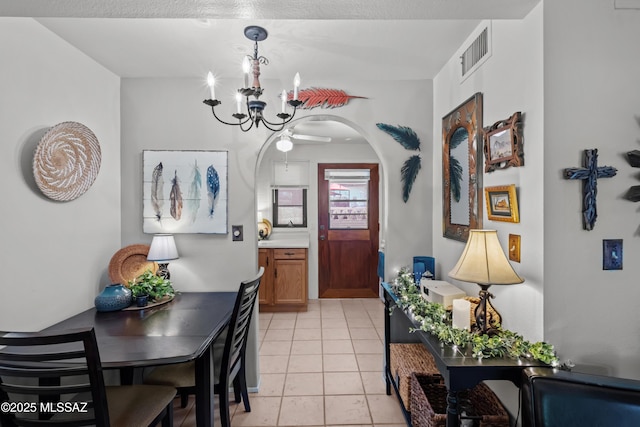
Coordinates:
(462, 182)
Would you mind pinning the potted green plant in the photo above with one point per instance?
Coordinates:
(149, 287)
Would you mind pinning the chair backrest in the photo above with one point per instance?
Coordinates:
(552, 397)
(238, 329)
(41, 371)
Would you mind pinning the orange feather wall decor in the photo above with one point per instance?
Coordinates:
(324, 98)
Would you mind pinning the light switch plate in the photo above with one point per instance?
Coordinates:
(236, 233)
(514, 247)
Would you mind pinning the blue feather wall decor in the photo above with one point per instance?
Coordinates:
(175, 197)
(409, 140)
(213, 188)
(403, 134)
(408, 174)
(157, 183)
(194, 192)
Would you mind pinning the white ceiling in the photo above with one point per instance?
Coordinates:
(323, 40)
(320, 50)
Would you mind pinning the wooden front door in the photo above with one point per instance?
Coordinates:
(348, 230)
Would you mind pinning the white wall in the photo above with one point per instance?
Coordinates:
(54, 254)
(314, 154)
(592, 100)
(511, 80)
(168, 114)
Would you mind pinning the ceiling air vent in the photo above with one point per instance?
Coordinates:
(477, 53)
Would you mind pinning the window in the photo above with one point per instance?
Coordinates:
(290, 207)
(348, 198)
(348, 204)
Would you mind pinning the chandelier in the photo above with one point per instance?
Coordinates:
(254, 108)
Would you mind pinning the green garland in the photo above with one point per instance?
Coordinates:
(434, 319)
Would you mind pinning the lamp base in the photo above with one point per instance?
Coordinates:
(482, 314)
(163, 271)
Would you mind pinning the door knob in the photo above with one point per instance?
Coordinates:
(321, 237)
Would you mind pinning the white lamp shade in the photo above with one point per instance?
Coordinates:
(483, 261)
(163, 248)
(284, 144)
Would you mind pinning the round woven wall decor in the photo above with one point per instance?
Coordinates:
(66, 161)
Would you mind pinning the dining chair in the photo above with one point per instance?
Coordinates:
(56, 378)
(228, 354)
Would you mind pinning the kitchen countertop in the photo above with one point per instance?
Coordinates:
(285, 240)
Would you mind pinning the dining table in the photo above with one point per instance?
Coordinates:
(180, 330)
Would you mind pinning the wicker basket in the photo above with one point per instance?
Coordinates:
(407, 359)
(429, 404)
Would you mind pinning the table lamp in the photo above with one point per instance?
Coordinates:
(483, 262)
(163, 249)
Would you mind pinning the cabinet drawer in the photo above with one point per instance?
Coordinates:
(292, 253)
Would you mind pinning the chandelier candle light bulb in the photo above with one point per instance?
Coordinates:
(296, 86)
(211, 82)
(239, 102)
(246, 67)
(284, 100)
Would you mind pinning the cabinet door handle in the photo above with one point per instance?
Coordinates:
(275, 272)
(267, 261)
(289, 253)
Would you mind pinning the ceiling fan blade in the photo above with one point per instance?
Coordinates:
(311, 138)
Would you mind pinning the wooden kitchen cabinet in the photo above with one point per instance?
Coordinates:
(284, 283)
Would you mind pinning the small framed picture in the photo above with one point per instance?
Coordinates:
(503, 144)
(612, 254)
(502, 203)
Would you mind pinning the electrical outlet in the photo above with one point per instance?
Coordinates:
(236, 233)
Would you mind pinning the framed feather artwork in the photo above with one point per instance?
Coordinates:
(185, 192)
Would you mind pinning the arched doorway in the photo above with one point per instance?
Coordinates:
(349, 144)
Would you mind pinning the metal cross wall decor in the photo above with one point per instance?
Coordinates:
(589, 176)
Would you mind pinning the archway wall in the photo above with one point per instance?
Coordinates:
(405, 228)
(312, 154)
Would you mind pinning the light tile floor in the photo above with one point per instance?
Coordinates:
(322, 367)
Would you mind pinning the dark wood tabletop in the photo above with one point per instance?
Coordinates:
(179, 331)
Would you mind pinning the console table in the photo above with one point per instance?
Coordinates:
(459, 370)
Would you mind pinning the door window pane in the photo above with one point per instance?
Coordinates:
(348, 204)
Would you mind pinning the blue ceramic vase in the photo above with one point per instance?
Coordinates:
(113, 298)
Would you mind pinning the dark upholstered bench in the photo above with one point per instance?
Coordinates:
(556, 398)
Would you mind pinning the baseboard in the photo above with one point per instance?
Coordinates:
(255, 389)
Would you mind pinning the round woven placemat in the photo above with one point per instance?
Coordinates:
(129, 263)
(66, 161)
